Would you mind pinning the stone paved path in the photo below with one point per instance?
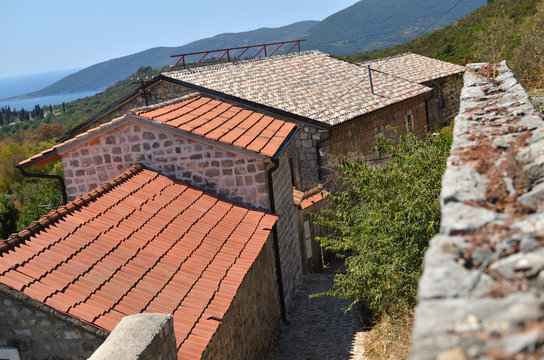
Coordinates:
(318, 328)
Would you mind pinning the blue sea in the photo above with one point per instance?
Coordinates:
(20, 85)
(28, 104)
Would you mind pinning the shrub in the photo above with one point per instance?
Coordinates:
(384, 218)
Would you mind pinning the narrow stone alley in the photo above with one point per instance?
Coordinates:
(318, 327)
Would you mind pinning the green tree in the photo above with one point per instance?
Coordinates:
(384, 218)
(8, 217)
(143, 70)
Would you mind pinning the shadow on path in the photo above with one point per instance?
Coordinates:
(318, 327)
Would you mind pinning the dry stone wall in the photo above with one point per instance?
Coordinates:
(481, 295)
(38, 332)
(233, 176)
(140, 337)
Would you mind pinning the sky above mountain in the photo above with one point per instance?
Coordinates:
(39, 36)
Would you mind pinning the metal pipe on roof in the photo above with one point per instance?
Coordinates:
(370, 78)
(47, 176)
(279, 275)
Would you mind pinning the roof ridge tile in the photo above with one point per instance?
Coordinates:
(247, 61)
(54, 215)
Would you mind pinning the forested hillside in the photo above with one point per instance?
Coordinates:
(504, 29)
(378, 24)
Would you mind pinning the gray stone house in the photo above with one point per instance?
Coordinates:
(332, 101)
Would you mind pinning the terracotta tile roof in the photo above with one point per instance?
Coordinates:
(140, 243)
(223, 122)
(304, 84)
(414, 67)
(306, 199)
(200, 116)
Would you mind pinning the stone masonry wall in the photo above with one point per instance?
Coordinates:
(140, 337)
(251, 327)
(440, 109)
(303, 152)
(233, 176)
(287, 226)
(38, 334)
(481, 295)
(358, 136)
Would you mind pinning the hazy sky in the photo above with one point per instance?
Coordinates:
(39, 36)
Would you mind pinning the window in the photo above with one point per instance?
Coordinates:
(409, 123)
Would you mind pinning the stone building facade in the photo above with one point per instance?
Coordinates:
(39, 332)
(307, 203)
(216, 169)
(358, 136)
(230, 172)
(439, 108)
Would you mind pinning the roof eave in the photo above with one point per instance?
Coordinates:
(285, 143)
(68, 134)
(362, 116)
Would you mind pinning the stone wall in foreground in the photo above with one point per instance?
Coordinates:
(140, 337)
(481, 295)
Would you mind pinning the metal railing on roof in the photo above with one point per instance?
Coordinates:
(262, 48)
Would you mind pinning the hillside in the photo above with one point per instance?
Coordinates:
(505, 29)
(366, 25)
(377, 24)
(106, 73)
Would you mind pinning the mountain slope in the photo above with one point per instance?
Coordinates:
(505, 29)
(377, 24)
(106, 73)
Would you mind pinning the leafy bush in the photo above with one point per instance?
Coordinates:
(8, 217)
(384, 218)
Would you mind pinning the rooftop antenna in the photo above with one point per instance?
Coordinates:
(370, 78)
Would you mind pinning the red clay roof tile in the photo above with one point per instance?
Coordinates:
(216, 120)
(174, 249)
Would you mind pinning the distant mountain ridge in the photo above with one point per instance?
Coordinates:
(377, 24)
(107, 73)
(366, 25)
